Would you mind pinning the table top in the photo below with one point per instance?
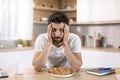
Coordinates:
(30, 74)
(109, 50)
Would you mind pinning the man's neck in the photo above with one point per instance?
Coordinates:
(58, 45)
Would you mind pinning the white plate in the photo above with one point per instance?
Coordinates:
(68, 75)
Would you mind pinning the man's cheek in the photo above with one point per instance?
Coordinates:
(52, 34)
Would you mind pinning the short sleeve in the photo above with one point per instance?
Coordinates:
(39, 44)
(76, 44)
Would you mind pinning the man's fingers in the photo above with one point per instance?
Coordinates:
(66, 29)
(49, 27)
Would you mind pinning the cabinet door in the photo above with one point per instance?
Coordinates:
(92, 59)
(98, 10)
(117, 9)
(9, 59)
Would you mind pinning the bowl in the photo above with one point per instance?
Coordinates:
(44, 19)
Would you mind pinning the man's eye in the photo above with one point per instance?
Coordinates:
(53, 30)
(61, 30)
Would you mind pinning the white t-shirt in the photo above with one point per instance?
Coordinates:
(57, 56)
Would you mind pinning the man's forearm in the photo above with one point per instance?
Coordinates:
(73, 60)
(41, 59)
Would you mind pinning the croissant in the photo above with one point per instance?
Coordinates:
(60, 71)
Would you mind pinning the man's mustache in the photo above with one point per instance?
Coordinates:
(56, 37)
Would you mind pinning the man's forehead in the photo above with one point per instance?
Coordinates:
(58, 25)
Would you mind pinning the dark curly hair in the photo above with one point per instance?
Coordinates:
(58, 17)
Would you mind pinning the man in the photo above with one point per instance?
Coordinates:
(57, 47)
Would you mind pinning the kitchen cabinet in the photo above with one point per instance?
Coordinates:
(44, 8)
(90, 58)
(93, 59)
(106, 11)
(81, 12)
(9, 59)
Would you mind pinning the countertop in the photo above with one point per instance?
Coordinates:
(111, 50)
(16, 49)
(30, 74)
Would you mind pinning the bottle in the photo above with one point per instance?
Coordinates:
(94, 40)
(89, 41)
(94, 43)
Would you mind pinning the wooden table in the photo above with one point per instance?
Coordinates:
(30, 74)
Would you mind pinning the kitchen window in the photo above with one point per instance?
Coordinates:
(16, 19)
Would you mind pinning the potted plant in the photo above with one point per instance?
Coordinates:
(20, 43)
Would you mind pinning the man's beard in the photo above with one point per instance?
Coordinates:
(57, 42)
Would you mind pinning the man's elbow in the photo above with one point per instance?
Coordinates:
(78, 67)
(36, 68)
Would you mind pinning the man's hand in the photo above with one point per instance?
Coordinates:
(66, 35)
(49, 30)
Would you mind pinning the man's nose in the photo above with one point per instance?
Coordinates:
(57, 33)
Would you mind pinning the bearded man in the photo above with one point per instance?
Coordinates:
(58, 47)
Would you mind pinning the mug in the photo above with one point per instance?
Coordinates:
(18, 69)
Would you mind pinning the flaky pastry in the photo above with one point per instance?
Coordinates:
(60, 70)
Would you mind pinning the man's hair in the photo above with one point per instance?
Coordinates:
(58, 17)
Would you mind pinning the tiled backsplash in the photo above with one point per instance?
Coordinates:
(8, 44)
(110, 33)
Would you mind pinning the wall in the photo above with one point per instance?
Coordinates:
(38, 29)
(7, 44)
(110, 32)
